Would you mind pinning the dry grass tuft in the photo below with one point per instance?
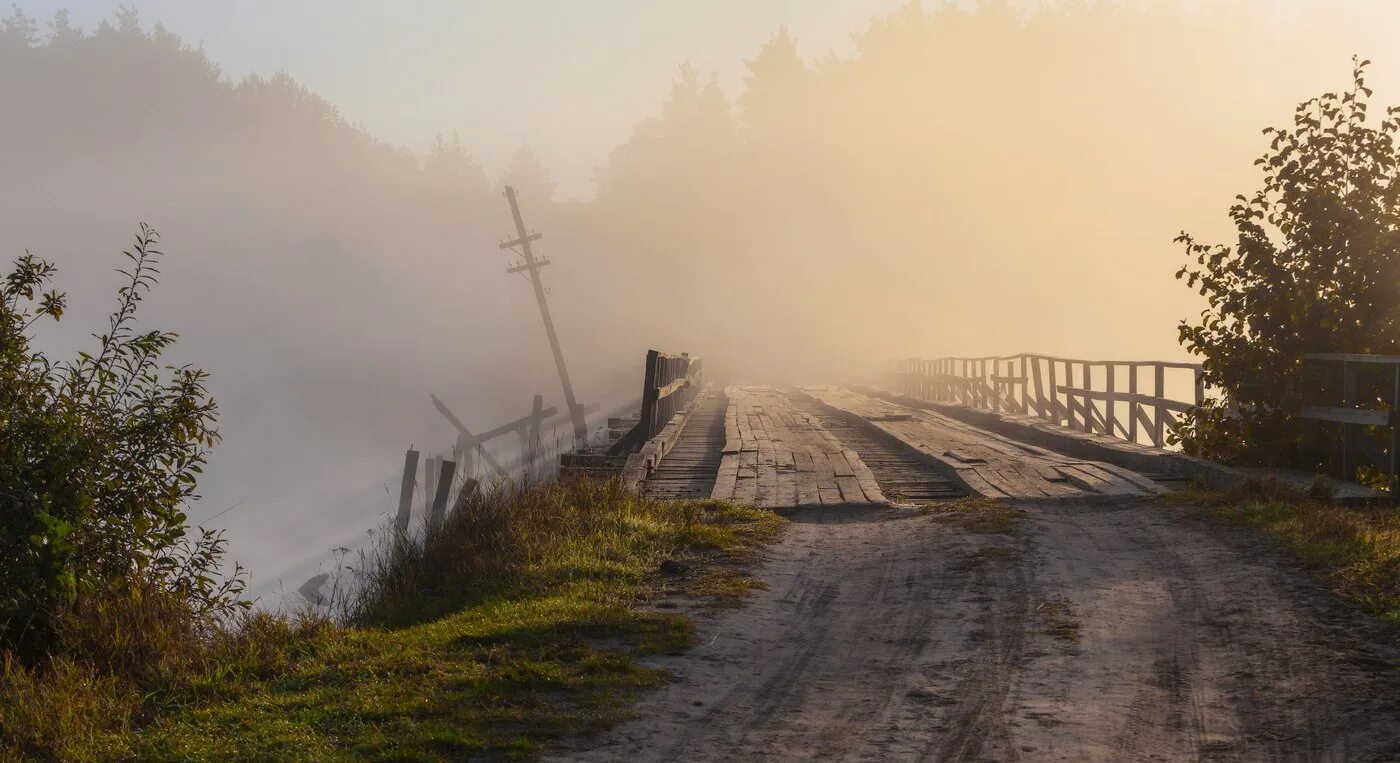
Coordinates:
(976, 514)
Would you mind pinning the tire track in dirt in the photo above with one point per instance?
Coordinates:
(867, 619)
(1098, 629)
(1194, 645)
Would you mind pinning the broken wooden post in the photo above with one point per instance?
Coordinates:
(532, 435)
(430, 473)
(410, 470)
(444, 486)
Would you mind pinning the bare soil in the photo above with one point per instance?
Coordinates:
(1090, 629)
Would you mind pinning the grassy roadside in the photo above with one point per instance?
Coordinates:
(1357, 548)
(519, 622)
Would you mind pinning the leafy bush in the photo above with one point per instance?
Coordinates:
(1314, 269)
(98, 458)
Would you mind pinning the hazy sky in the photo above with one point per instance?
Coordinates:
(501, 74)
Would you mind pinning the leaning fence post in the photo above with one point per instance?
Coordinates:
(444, 486)
(410, 470)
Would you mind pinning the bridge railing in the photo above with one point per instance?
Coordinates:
(1127, 399)
(1350, 434)
(669, 383)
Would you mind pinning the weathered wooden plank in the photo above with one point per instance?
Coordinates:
(726, 478)
(851, 491)
(839, 465)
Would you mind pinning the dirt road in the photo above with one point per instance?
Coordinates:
(1109, 629)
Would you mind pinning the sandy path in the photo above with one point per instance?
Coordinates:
(888, 635)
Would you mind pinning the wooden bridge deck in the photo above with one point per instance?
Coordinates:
(824, 445)
(903, 475)
(689, 470)
(988, 464)
(777, 456)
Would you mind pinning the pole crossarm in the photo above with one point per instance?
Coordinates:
(522, 241)
(530, 267)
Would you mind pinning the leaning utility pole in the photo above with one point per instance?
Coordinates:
(532, 266)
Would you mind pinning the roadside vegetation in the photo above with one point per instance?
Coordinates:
(1357, 548)
(1313, 270)
(518, 621)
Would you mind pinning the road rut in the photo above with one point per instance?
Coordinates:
(1091, 628)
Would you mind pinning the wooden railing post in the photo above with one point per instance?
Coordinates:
(1133, 404)
(1087, 407)
(1039, 387)
(1159, 421)
(649, 387)
(995, 379)
(1109, 405)
(1025, 387)
(1068, 398)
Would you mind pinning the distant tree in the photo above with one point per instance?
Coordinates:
(527, 174)
(61, 29)
(778, 86)
(452, 170)
(687, 150)
(19, 29)
(1316, 268)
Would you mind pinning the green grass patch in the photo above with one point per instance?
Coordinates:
(976, 514)
(1357, 548)
(518, 622)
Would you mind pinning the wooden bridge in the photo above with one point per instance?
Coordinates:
(1021, 426)
(1024, 427)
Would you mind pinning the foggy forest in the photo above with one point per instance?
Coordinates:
(960, 179)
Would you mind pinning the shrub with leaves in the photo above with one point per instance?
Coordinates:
(98, 459)
(1316, 268)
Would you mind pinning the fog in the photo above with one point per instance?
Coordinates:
(964, 182)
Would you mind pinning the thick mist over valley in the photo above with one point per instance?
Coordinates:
(980, 181)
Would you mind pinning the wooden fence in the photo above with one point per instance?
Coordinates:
(669, 383)
(1369, 394)
(1127, 399)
